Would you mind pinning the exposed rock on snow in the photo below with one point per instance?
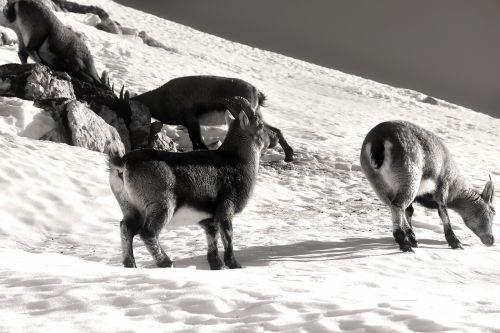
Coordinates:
(110, 117)
(90, 131)
(43, 84)
(39, 83)
(430, 100)
(33, 82)
(159, 139)
(105, 23)
(148, 40)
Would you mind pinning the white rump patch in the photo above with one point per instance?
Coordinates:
(187, 215)
(426, 186)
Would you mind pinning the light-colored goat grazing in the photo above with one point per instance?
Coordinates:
(405, 163)
(157, 188)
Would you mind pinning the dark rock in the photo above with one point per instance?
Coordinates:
(110, 117)
(140, 124)
(74, 7)
(108, 25)
(430, 100)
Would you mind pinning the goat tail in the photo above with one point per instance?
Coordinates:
(262, 99)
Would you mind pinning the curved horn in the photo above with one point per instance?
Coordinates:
(236, 104)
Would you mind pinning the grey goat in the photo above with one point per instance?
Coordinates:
(157, 188)
(405, 163)
(43, 37)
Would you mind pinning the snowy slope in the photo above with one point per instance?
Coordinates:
(315, 241)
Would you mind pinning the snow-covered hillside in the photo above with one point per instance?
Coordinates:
(315, 241)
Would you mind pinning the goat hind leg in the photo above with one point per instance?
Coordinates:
(283, 143)
(399, 228)
(129, 227)
(156, 215)
(409, 232)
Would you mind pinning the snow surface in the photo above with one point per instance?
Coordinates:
(315, 241)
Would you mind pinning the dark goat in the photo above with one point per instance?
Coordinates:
(157, 188)
(44, 38)
(183, 100)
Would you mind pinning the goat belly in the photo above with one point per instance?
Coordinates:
(187, 215)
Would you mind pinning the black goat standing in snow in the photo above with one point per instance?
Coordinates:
(181, 101)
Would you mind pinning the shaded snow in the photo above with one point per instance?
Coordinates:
(315, 241)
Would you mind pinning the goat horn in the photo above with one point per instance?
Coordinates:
(121, 92)
(238, 103)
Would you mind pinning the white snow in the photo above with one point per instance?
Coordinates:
(315, 241)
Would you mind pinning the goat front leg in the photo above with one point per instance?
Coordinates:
(448, 231)
(223, 218)
(22, 52)
(212, 233)
(34, 44)
(283, 143)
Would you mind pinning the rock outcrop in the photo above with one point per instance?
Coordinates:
(87, 116)
(159, 139)
(90, 131)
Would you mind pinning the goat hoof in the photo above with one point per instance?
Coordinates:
(456, 246)
(216, 267)
(413, 241)
(289, 158)
(129, 264)
(216, 264)
(406, 247)
(233, 264)
(165, 263)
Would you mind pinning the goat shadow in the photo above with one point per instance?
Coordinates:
(308, 251)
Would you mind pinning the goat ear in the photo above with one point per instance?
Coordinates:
(488, 192)
(229, 118)
(244, 122)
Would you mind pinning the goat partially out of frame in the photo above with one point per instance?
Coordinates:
(405, 163)
(157, 188)
(183, 100)
(43, 37)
